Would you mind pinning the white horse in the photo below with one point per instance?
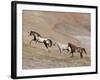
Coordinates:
(62, 47)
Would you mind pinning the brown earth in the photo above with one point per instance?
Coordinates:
(58, 26)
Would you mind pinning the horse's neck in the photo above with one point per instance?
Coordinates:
(40, 38)
(34, 35)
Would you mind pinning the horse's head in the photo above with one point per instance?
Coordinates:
(30, 33)
(68, 48)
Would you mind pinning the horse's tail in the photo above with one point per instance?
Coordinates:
(50, 42)
(84, 50)
(45, 43)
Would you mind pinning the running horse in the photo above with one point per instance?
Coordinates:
(73, 49)
(38, 38)
(61, 47)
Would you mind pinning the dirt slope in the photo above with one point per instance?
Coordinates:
(62, 27)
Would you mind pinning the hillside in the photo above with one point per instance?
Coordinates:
(58, 26)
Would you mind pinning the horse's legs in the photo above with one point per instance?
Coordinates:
(81, 55)
(83, 50)
(31, 41)
(46, 45)
(35, 42)
(60, 49)
(48, 48)
(72, 54)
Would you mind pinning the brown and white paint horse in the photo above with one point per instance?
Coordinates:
(38, 38)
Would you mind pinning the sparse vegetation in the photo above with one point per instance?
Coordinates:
(62, 27)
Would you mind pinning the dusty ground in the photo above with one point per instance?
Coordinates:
(62, 27)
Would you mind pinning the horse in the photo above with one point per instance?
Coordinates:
(47, 42)
(61, 47)
(35, 35)
(38, 38)
(73, 49)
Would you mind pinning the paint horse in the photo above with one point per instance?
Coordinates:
(74, 49)
(38, 38)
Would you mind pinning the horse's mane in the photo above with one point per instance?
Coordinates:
(71, 45)
(35, 33)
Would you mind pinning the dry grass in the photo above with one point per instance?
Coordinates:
(58, 26)
(36, 58)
